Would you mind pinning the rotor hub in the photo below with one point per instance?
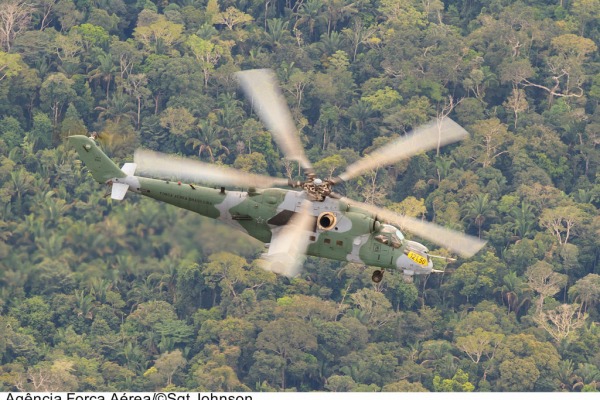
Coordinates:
(317, 189)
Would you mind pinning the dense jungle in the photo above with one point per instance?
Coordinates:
(102, 295)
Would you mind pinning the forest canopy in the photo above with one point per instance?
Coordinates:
(101, 295)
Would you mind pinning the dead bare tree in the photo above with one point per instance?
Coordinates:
(442, 112)
(46, 7)
(555, 90)
(15, 16)
(561, 322)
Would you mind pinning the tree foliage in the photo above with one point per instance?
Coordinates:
(97, 295)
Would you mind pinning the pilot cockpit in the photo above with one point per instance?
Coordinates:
(390, 236)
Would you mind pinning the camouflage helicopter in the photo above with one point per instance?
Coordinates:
(309, 218)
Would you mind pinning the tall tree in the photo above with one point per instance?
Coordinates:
(561, 322)
(561, 221)
(542, 278)
(207, 54)
(478, 209)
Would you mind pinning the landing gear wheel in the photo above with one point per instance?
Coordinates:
(377, 276)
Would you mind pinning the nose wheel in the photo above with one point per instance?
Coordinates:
(377, 276)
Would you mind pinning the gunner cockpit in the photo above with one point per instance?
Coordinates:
(390, 236)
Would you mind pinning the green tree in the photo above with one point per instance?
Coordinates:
(92, 36)
(374, 365)
(458, 383)
(526, 364)
(286, 344)
(587, 11)
(587, 291)
(476, 279)
(518, 375)
(404, 386)
(523, 220)
(10, 65)
(336, 85)
(375, 306)
(105, 70)
(213, 375)
(178, 120)
(479, 344)
(35, 315)
(254, 162)
(207, 139)
(340, 383)
(588, 375)
(68, 14)
(478, 209)
(41, 131)
(165, 367)
(55, 93)
(383, 99)
(207, 54)
(159, 35)
(515, 292)
(72, 123)
(311, 14)
(327, 166)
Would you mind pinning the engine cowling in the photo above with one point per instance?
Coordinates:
(363, 223)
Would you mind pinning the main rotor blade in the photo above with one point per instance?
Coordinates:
(261, 88)
(460, 243)
(424, 138)
(171, 167)
(289, 245)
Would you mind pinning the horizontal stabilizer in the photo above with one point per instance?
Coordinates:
(119, 190)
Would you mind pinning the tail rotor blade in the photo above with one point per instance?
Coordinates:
(170, 167)
(261, 88)
(429, 136)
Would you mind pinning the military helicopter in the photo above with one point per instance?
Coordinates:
(307, 219)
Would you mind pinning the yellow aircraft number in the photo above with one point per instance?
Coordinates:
(417, 258)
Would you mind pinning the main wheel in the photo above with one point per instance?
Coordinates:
(377, 276)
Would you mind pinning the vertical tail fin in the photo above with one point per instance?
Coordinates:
(103, 169)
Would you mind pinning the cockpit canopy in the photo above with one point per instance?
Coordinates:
(390, 236)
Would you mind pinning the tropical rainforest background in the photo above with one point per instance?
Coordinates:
(136, 295)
